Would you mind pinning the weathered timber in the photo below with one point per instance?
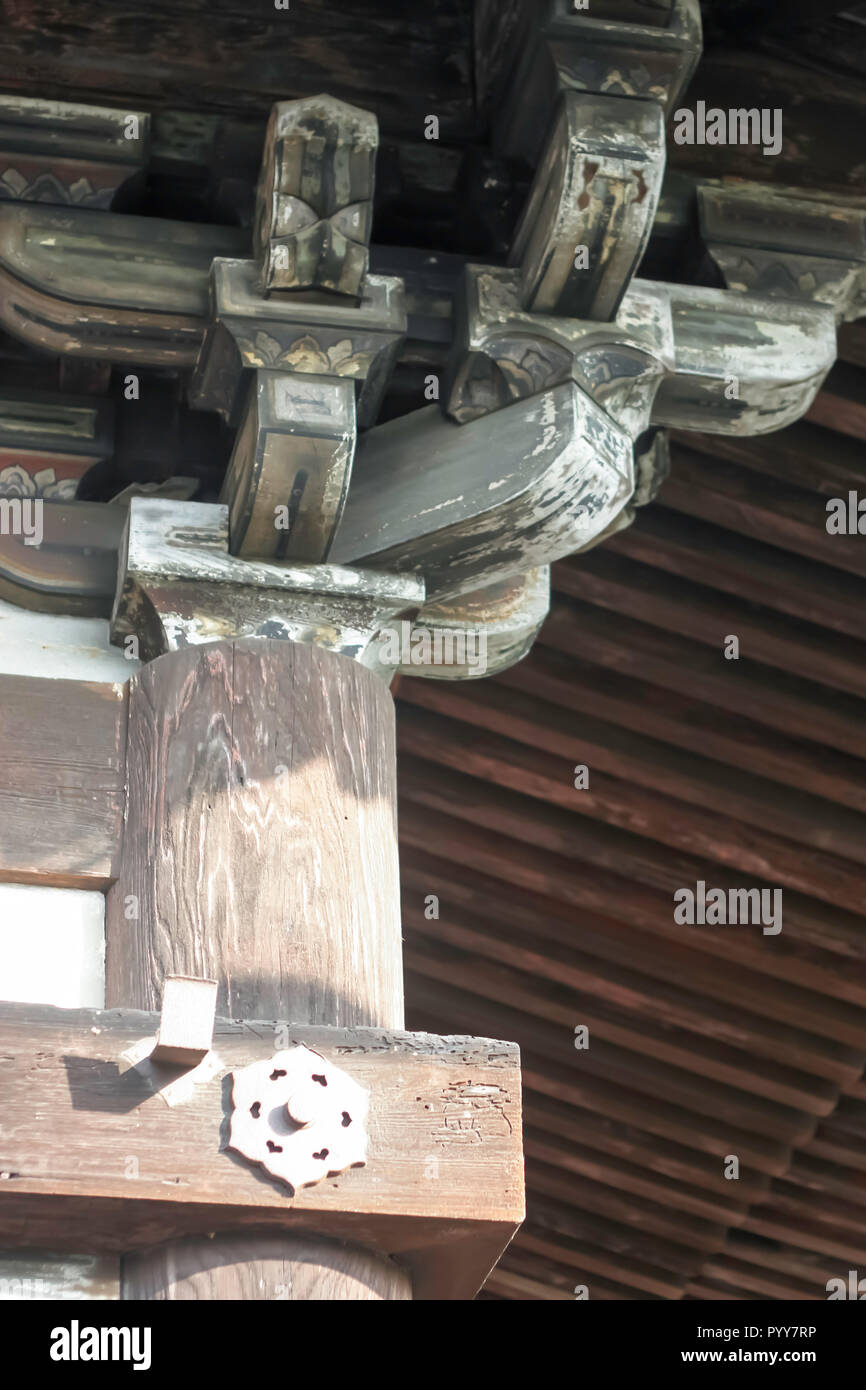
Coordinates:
(219, 62)
(589, 213)
(288, 1267)
(61, 808)
(478, 634)
(687, 722)
(787, 242)
(554, 49)
(66, 282)
(48, 441)
(314, 208)
(508, 492)
(675, 355)
(449, 1101)
(178, 585)
(68, 154)
(328, 338)
(815, 941)
(74, 570)
(293, 455)
(642, 762)
(300, 745)
(617, 802)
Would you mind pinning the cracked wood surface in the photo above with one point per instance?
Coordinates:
(119, 1166)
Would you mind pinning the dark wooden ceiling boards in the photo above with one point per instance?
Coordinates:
(556, 905)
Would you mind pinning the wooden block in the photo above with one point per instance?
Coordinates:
(186, 1021)
(119, 1168)
(293, 455)
(556, 49)
(498, 496)
(779, 241)
(315, 196)
(179, 586)
(61, 807)
(590, 210)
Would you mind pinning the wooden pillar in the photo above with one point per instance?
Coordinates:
(260, 848)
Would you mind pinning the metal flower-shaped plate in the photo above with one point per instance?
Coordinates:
(299, 1116)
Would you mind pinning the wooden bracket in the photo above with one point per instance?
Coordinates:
(322, 338)
(179, 586)
(515, 490)
(590, 210)
(315, 196)
(292, 457)
(67, 284)
(477, 634)
(118, 1169)
(552, 48)
(48, 441)
(782, 242)
(186, 1021)
(676, 355)
(64, 153)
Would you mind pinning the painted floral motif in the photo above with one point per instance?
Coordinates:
(15, 481)
(47, 188)
(305, 355)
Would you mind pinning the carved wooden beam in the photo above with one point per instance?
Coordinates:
(315, 196)
(178, 586)
(787, 243)
(514, 490)
(287, 480)
(589, 213)
(64, 153)
(440, 1192)
(97, 284)
(554, 48)
(474, 635)
(74, 570)
(676, 355)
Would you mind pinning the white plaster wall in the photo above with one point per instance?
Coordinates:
(52, 940)
(52, 946)
(48, 644)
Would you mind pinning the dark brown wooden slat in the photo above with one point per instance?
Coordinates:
(620, 1206)
(587, 1260)
(591, 1134)
(61, 801)
(551, 876)
(579, 995)
(675, 718)
(614, 582)
(619, 802)
(841, 404)
(633, 1179)
(745, 569)
(726, 495)
(673, 987)
(805, 456)
(814, 939)
(784, 702)
(641, 761)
